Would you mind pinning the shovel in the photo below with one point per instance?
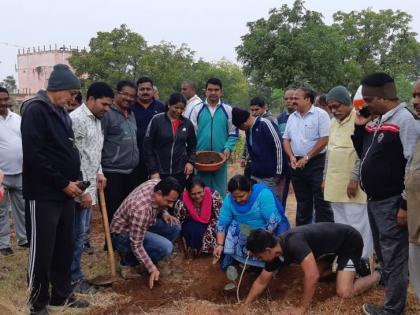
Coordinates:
(106, 280)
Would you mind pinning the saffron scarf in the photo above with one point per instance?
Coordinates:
(206, 206)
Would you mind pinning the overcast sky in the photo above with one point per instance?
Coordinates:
(211, 28)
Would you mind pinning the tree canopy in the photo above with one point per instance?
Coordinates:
(295, 45)
(123, 54)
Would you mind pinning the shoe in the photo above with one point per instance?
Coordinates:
(369, 309)
(364, 268)
(84, 287)
(128, 272)
(88, 249)
(6, 251)
(24, 245)
(70, 302)
(42, 311)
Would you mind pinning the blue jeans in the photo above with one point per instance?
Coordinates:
(79, 236)
(88, 221)
(157, 243)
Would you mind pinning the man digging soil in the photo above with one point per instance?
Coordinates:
(313, 247)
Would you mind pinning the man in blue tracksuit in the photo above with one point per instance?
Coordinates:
(263, 141)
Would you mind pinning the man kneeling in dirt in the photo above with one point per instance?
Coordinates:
(308, 245)
(138, 235)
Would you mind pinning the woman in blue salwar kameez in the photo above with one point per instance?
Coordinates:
(245, 208)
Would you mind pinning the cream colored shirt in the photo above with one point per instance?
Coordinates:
(342, 158)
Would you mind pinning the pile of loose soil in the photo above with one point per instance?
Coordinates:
(208, 157)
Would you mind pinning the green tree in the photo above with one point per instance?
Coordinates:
(112, 56)
(123, 54)
(9, 83)
(293, 44)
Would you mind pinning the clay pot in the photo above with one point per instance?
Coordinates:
(209, 161)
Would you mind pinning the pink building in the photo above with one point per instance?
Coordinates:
(35, 66)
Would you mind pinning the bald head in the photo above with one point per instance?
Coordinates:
(188, 88)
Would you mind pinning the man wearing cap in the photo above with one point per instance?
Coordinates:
(384, 145)
(341, 172)
(51, 168)
(264, 147)
(305, 140)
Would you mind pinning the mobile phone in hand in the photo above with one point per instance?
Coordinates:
(364, 112)
(83, 185)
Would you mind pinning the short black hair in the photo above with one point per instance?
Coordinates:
(308, 93)
(4, 90)
(259, 240)
(257, 101)
(144, 80)
(176, 98)
(79, 98)
(377, 79)
(166, 185)
(322, 99)
(214, 81)
(239, 182)
(99, 90)
(193, 181)
(124, 83)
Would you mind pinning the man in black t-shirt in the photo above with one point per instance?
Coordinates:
(312, 246)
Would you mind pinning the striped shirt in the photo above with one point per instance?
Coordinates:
(134, 217)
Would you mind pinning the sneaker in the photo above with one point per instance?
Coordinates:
(70, 302)
(128, 272)
(42, 311)
(369, 309)
(84, 287)
(6, 251)
(88, 249)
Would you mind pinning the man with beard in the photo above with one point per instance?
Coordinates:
(305, 141)
(384, 145)
(120, 154)
(144, 108)
(88, 139)
(51, 169)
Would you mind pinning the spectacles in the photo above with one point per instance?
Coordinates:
(334, 106)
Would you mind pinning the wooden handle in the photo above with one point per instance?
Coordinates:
(107, 233)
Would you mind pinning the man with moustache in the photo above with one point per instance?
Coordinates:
(89, 140)
(305, 142)
(144, 108)
(385, 146)
(120, 154)
(51, 168)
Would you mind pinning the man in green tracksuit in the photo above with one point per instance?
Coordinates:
(212, 120)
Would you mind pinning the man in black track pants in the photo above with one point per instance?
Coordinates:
(51, 167)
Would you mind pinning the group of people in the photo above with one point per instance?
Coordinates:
(347, 173)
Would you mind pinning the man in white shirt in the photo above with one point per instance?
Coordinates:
(11, 164)
(189, 90)
(305, 142)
